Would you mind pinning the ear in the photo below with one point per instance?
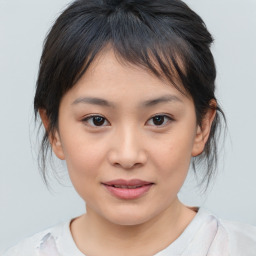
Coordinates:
(54, 138)
(203, 130)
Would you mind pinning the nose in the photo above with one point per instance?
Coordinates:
(127, 149)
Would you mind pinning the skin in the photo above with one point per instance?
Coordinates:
(128, 144)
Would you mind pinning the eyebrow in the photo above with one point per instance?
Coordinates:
(162, 99)
(94, 101)
(147, 103)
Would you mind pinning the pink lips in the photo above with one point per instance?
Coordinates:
(128, 189)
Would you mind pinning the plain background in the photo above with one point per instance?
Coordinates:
(26, 206)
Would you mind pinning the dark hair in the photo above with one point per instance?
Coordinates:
(164, 36)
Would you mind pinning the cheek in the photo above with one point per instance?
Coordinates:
(172, 155)
(83, 163)
(84, 156)
(172, 164)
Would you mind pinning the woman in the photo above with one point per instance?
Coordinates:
(126, 94)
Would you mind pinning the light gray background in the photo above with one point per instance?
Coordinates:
(26, 206)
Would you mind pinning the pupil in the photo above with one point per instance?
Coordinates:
(98, 121)
(158, 120)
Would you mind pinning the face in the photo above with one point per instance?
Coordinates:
(127, 138)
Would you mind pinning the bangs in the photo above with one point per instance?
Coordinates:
(153, 45)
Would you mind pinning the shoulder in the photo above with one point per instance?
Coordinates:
(233, 238)
(42, 243)
(241, 237)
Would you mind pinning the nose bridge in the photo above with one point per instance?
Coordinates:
(128, 147)
(129, 139)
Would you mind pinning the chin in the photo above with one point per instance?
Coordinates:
(128, 217)
(128, 221)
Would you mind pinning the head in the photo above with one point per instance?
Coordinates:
(126, 53)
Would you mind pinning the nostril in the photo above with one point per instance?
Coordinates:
(127, 166)
(127, 158)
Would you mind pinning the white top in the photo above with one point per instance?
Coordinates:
(206, 235)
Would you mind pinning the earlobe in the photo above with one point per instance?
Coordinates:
(203, 130)
(57, 146)
(54, 139)
(198, 146)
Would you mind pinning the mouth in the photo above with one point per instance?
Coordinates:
(128, 189)
(122, 186)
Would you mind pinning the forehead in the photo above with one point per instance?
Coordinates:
(109, 74)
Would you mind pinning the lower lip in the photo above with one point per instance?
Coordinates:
(128, 193)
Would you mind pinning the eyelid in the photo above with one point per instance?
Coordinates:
(90, 117)
(171, 119)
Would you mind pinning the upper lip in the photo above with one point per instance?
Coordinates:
(122, 182)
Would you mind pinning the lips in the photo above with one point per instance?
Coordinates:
(128, 189)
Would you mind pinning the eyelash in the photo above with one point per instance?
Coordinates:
(88, 118)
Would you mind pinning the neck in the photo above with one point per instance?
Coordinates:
(91, 230)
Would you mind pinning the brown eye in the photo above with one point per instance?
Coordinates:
(98, 120)
(95, 121)
(160, 120)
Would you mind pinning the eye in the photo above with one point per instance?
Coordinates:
(160, 120)
(95, 121)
